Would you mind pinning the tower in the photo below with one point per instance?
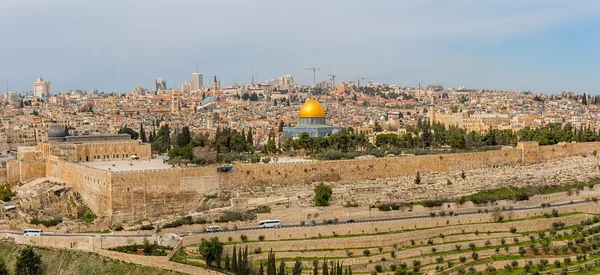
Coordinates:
(197, 81)
(175, 107)
(41, 88)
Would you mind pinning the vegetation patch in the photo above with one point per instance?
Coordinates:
(146, 249)
(6, 193)
(186, 220)
(46, 223)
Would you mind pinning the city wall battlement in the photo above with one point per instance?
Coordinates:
(129, 196)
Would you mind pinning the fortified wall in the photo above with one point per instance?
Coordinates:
(128, 196)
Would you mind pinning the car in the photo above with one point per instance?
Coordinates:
(309, 223)
(213, 229)
(351, 220)
(329, 222)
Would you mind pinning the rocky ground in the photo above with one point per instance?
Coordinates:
(446, 185)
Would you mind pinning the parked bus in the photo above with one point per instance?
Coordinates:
(32, 232)
(269, 224)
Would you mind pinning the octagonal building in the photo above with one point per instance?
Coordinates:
(311, 121)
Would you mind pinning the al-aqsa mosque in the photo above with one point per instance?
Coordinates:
(311, 121)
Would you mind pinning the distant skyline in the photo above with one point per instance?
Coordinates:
(545, 46)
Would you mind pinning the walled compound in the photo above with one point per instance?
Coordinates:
(128, 195)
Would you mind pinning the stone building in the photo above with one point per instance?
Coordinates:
(311, 121)
(92, 147)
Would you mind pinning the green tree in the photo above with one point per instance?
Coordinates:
(271, 147)
(297, 268)
(234, 263)
(162, 140)
(281, 268)
(127, 130)
(211, 250)
(3, 268)
(143, 133)
(184, 137)
(271, 268)
(249, 138)
(322, 194)
(29, 263)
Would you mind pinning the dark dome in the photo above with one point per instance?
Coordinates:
(56, 131)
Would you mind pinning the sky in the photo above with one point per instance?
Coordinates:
(543, 46)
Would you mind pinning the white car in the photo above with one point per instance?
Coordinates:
(213, 229)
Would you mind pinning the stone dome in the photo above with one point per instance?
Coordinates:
(209, 100)
(56, 131)
(312, 109)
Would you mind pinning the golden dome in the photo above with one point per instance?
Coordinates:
(312, 108)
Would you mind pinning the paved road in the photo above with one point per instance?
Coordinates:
(409, 218)
(293, 226)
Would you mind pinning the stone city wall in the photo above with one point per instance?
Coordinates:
(129, 196)
(94, 185)
(147, 194)
(24, 170)
(3, 178)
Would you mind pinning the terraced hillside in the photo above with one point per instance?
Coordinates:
(562, 238)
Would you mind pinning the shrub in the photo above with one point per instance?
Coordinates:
(322, 194)
(378, 268)
(257, 250)
(232, 216)
(243, 237)
(393, 267)
(366, 252)
(147, 227)
(513, 229)
(117, 227)
(6, 193)
(261, 238)
(46, 223)
(418, 178)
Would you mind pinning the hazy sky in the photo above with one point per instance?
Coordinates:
(543, 46)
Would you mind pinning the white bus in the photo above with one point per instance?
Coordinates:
(269, 224)
(32, 232)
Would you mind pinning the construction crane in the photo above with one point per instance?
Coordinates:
(332, 80)
(314, 69)
(358, 79)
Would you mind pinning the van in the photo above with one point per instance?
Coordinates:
(269, 224)
(214, 228)
(32, 232)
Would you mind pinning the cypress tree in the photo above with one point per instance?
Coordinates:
(297, 267)
(245, 265)
(325, 269)
(143, 133)
(315, 267)
(240, 262)
(281, 268)
(271, 270)
(261, 270)
(227, 264)
(234, 264)
(250, 139)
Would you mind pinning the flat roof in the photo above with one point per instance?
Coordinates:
(128, 165)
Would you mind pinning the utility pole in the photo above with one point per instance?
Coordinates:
(314, 69)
